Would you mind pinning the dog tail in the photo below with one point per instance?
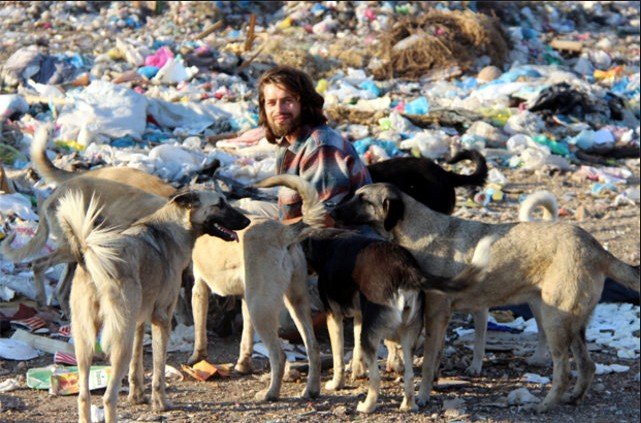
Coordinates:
(96, 249)
(469, 276)
(623, 273)
(44, 167)
(34, 245)
(478, 177)
(544, 199)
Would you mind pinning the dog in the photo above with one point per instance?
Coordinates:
(265, 267)
(130, 276)
(557, 268)
(539, 200)
(122, 204)
(426, 181)
(375, 281)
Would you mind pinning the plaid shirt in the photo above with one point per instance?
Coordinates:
(325, 159)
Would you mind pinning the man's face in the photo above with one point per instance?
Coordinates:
(282, 109)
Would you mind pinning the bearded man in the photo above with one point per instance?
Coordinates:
(291, 111)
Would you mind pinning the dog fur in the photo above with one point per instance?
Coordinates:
(266, 267)
(376, 282)
(129, 277)
(557, 268)
(116, 190)
(426, 181)
(121, 205)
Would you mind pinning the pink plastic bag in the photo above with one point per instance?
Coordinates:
(159, 58)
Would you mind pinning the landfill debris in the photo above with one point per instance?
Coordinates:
(9, 385)
(521, 396)
(63, 380)
(13, 349)
(203, 370)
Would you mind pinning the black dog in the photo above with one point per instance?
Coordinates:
(381, 285)
(426, 181)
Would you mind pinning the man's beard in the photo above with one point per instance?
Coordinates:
(288, 127)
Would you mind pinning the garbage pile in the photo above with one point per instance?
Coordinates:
(170, 88)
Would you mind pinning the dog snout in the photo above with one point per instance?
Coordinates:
(236, 220)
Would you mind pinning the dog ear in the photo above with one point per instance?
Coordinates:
(187, 199)
(394, 209)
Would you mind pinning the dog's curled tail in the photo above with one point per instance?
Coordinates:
(34, 245)
(96, 249)
(478, 177)
(44, 167)
(544, 199)
(471, 275)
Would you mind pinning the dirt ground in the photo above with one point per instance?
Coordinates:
(613, 397)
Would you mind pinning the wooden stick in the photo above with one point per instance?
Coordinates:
(249, 41)
(568, 45)
(211, 28)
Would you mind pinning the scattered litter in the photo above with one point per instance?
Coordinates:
(9, 385)
(204, 370)
(534, 378)
(13, 349)
(521, 396)
(63, 380)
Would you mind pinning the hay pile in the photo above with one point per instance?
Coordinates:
(438, 39)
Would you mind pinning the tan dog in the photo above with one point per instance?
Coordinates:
(546, 202)
(557, 268)
(115, 189)
(132, 276)
(266, 267)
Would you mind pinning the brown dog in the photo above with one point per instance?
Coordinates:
(129, 277)
(557, 268)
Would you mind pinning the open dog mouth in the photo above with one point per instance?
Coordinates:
(223, 233)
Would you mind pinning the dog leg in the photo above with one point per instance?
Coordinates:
(480, 334)
(559, 338)
(358, 367)
(336, 340)
(408, 337)
(265, 319)
(63, 288)
(199, 305)
(244, 363)
(369, 347)
(297, 302)
(160, 328)
(437, 316)
(119, 357)
(540, 357)
(585, 368)
(84, 331)
(136, 369)
(395, 362)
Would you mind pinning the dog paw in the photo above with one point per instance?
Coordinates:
(408, 406)
(571, 398)
(358, 370)
(422, 399)
(161, 404)
(196, 357)
(473, 370)
(364, 407)
(266, 395)
(334, 385)
(136, 396)
(310, 393)
(244, 368)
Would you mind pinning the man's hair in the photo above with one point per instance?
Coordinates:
(297, 83)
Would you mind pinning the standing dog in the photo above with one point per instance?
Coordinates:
(377, 282)
(266, 267)
(557, 268)
(132, 276)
